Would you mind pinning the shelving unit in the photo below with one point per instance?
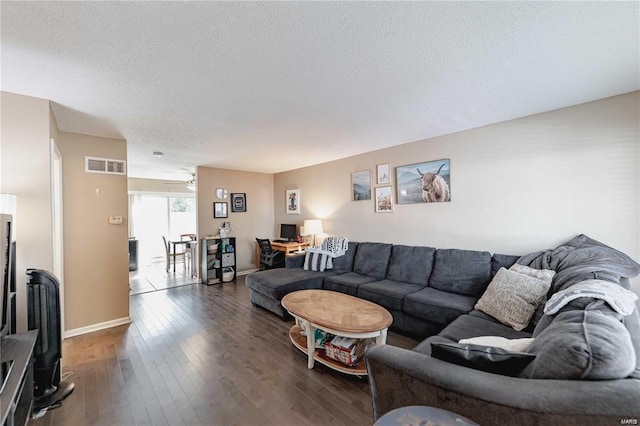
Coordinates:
(218, 258)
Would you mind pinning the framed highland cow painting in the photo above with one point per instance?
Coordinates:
(427, 182)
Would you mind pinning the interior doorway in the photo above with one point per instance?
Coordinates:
(57, 225)
(157, 215)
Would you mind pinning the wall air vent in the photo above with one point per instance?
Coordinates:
(105, 165)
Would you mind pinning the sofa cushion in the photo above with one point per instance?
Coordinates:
(461, 271)
(372, 259)
(491, 359)
(512, 298)
(437, 305)
(472, 325)
(632, 323)
(347, 283)
(411, 264)
(294, 261)
(502, 261)
(582, 344)
(424, 347)
(275, 283)
(344, 263)
(387, 293)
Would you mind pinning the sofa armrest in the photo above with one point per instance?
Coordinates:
(400, 377)
(294, 261)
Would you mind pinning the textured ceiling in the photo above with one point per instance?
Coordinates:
(269, 86)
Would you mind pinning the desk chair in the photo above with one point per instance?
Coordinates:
(269, 258)
(175, 256)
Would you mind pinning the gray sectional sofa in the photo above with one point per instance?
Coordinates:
(587, 364)
(423, 288)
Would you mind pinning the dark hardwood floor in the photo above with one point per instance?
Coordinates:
(198, 355)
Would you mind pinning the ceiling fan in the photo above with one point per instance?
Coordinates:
(191, 184)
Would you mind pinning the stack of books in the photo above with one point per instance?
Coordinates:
(346, 350)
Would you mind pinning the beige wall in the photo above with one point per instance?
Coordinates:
(25, 171)
(256, 222)
(96, 253)
(516, 187)
(156, 185)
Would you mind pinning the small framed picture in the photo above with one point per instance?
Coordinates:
(384, 203)
(292, 201)
(383, 173)
(220, 209)
(238, 202)
(361, 185)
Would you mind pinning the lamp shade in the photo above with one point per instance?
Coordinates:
(313, 227)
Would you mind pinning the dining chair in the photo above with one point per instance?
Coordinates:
(173, 256)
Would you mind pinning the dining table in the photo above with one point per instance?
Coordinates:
(173, 252)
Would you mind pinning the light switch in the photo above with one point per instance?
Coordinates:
(115, 220)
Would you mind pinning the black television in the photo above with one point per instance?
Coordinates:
(288, 232)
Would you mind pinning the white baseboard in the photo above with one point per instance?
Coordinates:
(247, 272)
(96, 327)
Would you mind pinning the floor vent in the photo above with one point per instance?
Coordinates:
(105, 165)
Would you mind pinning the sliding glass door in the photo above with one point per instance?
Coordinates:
(154, 216)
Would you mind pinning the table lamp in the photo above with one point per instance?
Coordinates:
(313, 227)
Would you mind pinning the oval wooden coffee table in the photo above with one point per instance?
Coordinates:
(338, 314)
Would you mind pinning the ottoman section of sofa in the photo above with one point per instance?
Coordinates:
(267, 288)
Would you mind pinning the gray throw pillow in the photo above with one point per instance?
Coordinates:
(582, 344)
(512, 298)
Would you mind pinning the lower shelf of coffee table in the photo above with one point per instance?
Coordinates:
(300, 342)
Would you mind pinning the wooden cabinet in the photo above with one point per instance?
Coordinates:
(218, 263)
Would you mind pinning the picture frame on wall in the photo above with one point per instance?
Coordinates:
(220, 210)
(361, 185)
(238, 202)
(383, 173)
(292, 201)
(427, 182)
(384, 199)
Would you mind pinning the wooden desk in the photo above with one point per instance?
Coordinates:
(288, 248)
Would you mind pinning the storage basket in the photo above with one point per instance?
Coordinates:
(345, 350)
(227, 274)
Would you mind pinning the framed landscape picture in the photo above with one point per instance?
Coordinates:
(238, 202)
(384, 202)
(361, 185)
(292, 201)
(427, 182)
(383, 173)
